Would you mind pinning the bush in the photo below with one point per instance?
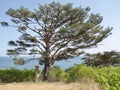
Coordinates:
(56, 74)
(14, 75)
(107, 77)
(79, 73)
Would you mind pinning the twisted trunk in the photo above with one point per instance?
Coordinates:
(46, 70)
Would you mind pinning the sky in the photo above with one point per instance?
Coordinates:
(109, 9)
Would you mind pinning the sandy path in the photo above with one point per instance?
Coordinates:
(46, 86)
(34, 86)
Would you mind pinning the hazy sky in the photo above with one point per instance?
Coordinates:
(109, 9)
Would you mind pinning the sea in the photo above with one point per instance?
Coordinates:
(7, 62)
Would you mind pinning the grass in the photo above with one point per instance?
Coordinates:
(50, 86)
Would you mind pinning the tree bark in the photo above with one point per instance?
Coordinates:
(46, 71)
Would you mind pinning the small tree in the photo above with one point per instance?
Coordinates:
(104, 59)
(55, 32)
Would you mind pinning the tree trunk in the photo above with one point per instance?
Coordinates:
(46, 71)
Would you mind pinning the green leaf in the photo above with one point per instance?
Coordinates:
(4, 24)
(22, 28)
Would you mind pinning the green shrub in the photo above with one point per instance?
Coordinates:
(56, 74)
(107, 77)
(79, 72)
(14, 75)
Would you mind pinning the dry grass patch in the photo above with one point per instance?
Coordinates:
(49, 86)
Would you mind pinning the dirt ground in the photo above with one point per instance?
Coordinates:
(48, 86)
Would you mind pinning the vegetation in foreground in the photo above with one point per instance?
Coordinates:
(107, 77)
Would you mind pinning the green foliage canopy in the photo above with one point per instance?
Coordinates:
(104, 59)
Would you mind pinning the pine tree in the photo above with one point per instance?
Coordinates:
(55, 32)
